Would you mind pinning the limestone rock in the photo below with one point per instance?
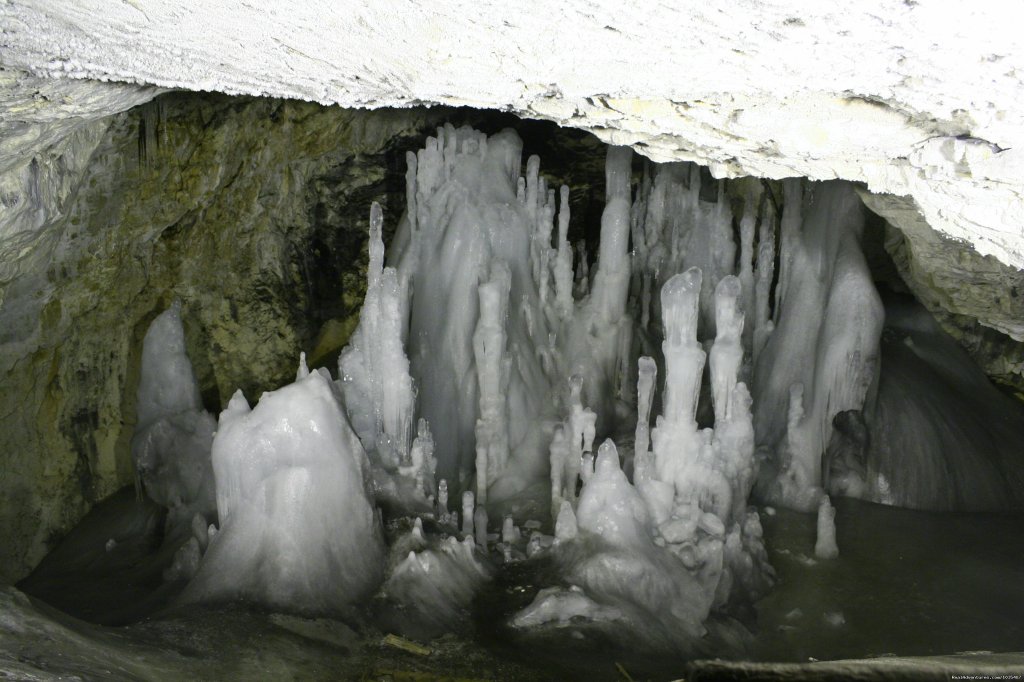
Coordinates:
(916, 99)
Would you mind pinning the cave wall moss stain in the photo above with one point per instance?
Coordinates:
(233, 206)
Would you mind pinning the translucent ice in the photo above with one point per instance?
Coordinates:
(939, 436)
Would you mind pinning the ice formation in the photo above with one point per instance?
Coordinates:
(939, 436)
(431, 582)
(825, 546)
(378, 390)
(526, 387)
(173, 433)
(298, 528)
(822, 357)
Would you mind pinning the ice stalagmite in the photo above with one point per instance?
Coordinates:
(661, 553)
(430, 585)
(727, 351)
(674, 436)
(173, 434)
(298, 529)
(472, 222)
(378, 389)
(825, 545)
(492, 369)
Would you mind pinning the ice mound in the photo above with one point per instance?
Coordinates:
(298, 527)
(431, 583)
(173, 434)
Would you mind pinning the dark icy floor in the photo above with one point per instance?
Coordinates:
(905, 584)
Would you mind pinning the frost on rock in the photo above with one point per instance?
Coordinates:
(173, 433)
(298, 529)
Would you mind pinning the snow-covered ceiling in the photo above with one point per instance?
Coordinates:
(916, 99)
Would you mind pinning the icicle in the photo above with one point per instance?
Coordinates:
(410, 190)
(563, 261)
(746, 272)
(762, 288)
(582, 285)
(611, 281)
(792, 217)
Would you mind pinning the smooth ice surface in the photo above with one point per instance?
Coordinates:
(823, 355)
(940, 436)
(298, 527)
(173, 434)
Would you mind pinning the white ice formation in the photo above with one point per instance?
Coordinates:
(298, 528)
(173, 433)
(378, 390)
(431, 582)
(825, 546)
(532, 385)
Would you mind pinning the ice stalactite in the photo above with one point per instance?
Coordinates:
(298, 528)
(173, 433)
(676, 230)
(762, 322)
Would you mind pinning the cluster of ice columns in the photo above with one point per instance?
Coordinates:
(474, 330)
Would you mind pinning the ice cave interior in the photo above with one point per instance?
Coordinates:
(603, 420)
(299, 391)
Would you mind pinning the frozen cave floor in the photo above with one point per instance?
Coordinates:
(949, 586)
